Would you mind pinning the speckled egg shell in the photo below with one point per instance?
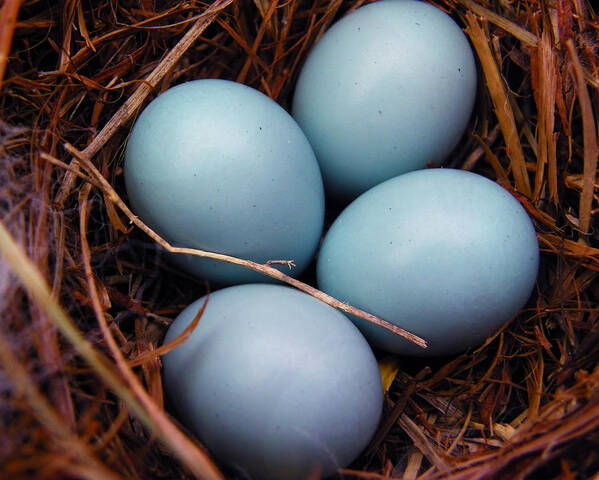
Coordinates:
(276, 383)
(446, 254)
(217, 165)
(388, 89)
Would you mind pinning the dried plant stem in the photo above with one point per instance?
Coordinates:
(516, 30)
(128, 109)
(545, 99)
(268, 15)
(547, 438)
(157, 414)
(500, 172)
(589, 133)
(156, 421)
(112, 196)
(503, 110)
(47, 416)
(428, 449)
(526, 37)
(474, 156)
(8, 19)
(391, 418)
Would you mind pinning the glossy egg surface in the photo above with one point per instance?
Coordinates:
(216, 165)
(446, 254)
(275, 383)
(388, 89)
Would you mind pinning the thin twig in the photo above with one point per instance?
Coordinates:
(111, 195)
(71, 168)
(128, 109)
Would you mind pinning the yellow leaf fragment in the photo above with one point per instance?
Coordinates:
(388, 366)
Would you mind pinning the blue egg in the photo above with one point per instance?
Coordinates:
(446, 254)
(275, 383)
(216, 165)
(388, 89)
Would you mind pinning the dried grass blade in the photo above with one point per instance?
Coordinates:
(421, 442)
(8, 20)
(114, 218)
(502, 177)
(328, 18)
(267, 20)
(542, 440)
(460, 435)
(589, 135)
(391, 419)
(534, 384)
(413, 466)
(175, 342)
(69, 8)
(501, 103)
(48, 417)
(570, 248)
(252, 56)
(545, 98)
(39, 291)
(152, 370)
(83, 27)
(516, 30)
(263, 6)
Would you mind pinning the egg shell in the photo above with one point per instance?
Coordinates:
(276, 383)
(446, 254)
(388, 89)
(216, 165)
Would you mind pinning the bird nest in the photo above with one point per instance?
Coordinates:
(86, 297)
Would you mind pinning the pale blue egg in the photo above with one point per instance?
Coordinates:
(388, 89)
(446, 254)
(216, 165)
(274, 382)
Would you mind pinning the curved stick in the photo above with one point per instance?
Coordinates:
(258, 267)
